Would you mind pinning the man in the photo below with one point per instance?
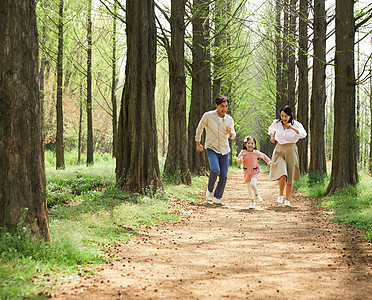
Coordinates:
(219, 127)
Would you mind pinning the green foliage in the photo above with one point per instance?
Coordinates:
(26, 265)
(352, 205)
(86, 213)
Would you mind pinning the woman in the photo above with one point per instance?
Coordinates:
(285, 160)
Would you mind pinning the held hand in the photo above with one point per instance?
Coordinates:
(199, 147)
(272, 139)
(228, 128)
(269, 165)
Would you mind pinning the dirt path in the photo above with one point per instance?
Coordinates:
(214, 252)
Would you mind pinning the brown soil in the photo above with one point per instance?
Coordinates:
(230, 251)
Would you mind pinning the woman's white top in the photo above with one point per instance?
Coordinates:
(287, 136)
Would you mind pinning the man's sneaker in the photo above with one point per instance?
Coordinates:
(259, 198)
(280, 199)
(287, 203)
(209, 195)
(252, 205)
(217, 201)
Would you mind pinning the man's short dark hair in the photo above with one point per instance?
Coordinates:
(220, 99)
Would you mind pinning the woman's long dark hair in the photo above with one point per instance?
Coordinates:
(288, 112)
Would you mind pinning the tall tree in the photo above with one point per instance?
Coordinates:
(137, 166)
(114, 80)
(22, 173)
(370, 108)
(89, 87)
(318, 95)
(303, 83)
(219, 25)
(292, 54)
(201, 82)
(60, 157)
(279, 58)
(176, 161)
(344, 162)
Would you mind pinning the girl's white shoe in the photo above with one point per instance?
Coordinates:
(280, 199)
(252, 205)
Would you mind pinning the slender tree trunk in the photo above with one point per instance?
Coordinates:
(43, 61)
(113, 87)
(176, 161)
(279, 58)
(201, 83)
(80, 123)
(358, 115)
(370, 107)
(344, 162)
(89, 87)
(303, 84)
(218, 47)
(60, 157)
(285, 47)
(318, 95)
(22, 172)
(292, 56)
(137, 166)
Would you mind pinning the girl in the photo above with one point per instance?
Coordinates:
(249, 158)
(285, 160)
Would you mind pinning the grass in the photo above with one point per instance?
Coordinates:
(86, 213)
(351, 205)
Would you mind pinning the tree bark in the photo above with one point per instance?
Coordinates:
(303, 84)
(370, 107)
(292, 55)
(201, 83)
(176, 162)
(60, 156)
(318, 95)
(90, 149)
(344, 163)
(22, 173)
(137, 166)
(279, 59)
(113, 85)
(218, 47)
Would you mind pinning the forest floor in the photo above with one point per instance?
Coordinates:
(230, 251)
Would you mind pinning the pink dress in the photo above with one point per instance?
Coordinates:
(250, 163)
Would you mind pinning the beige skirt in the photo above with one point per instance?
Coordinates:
(285, 161)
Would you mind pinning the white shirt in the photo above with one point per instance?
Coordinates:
(217, 137)
(287, 136)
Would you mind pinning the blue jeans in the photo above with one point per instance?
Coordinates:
(219, 165)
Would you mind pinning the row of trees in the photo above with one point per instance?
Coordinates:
(211, 47)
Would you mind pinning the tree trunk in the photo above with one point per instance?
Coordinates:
(80, 123)
(218, 48)
(370, 107)
(303, 84)
(60, 156)
(137, 166)
(279, 58)
(176, 162)
(318, 95)
(22, 173)
(201, 83)
(292, 56)
(344, 163)
(285, 47)
(113, 87)
(89, 87)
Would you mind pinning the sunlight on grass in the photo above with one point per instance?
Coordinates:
(86, 212)
(352, 205)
